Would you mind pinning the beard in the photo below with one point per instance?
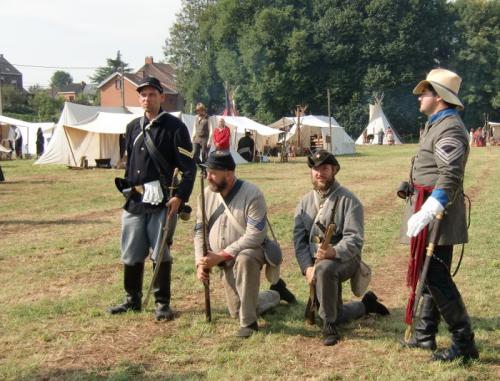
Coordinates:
(217, 187)
(322, 185)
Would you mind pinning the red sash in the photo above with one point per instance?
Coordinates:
(417, 252)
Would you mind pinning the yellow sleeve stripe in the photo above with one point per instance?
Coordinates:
(185, 152)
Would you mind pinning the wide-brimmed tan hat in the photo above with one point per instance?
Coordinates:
(200, 106)
(445, 82)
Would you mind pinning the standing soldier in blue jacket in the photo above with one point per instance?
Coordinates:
(150, 170)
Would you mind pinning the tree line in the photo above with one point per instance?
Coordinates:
(274, 54)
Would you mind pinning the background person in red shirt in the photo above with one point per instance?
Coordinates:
(222, 136)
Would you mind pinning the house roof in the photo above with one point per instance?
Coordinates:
(164, 72)
(7, 68)
(76, 88)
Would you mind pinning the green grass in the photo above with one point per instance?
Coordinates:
(60, 268)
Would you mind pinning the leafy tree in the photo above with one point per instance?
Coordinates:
(14, 100)
(112, 66)
(46, 107)
(60, 79)
(477, 59)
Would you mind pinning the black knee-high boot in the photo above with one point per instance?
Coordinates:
(426, 326)
(132, 281)
(462, 345)
(161, 290)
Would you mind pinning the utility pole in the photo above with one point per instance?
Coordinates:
(122, 86)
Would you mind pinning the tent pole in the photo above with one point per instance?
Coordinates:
(69, 144)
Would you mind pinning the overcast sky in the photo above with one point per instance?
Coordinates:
(82, 33)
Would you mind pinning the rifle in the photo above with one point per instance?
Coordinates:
(312, 303)
(206, 284)
(163, 239)
(433, 241)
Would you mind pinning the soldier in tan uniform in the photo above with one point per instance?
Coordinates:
(236, 225)
(327, 269)
(437, 179)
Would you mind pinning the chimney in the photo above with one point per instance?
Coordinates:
(149, 60)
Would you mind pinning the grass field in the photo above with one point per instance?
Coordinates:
(60, 269)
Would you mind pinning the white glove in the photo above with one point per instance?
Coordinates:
(424, 216)
(153, 193)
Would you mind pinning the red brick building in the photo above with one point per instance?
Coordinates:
(111, 88)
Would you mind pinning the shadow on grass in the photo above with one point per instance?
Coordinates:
(134, 372)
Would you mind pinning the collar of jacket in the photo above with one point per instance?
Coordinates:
(434, 118)
(156, 118)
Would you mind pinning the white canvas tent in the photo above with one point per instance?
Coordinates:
(28, 131)
(93, 132)
(376, 123)
(495, 130)
(311, 125)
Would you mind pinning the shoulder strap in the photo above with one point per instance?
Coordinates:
(158, 159)
(230, 215)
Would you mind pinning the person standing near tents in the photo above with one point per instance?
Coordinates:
(222, 136)
(437, 177)
(201, 134)
(40, 142)
(156, 144)
(246, 146)
(18, 142)
(390, 137)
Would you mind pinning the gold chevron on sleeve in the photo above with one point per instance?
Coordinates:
(185, 152)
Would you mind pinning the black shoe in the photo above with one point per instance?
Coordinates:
(330, 334)
(285, 293)
(372, 305)
(248, 331)
(163, 312)
(429, 345)
(132, 281)
(454, 353)
(161, 291)
(128, 305)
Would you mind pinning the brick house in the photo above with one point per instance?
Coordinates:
(111, 88)
(9, 75)
(71, 91)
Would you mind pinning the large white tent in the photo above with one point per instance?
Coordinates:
(71, 140)
(319, 126)
(28, 131)
(377, 122)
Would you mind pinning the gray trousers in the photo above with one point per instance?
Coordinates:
(329, 275)
(241, 279)
(142, 232)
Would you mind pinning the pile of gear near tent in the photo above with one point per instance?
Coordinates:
(378, 126)
(313, 131)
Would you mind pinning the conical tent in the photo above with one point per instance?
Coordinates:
(378, 126)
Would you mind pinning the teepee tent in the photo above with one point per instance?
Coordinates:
(377, 123)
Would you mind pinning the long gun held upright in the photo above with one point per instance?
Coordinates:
(206, 284)
(312, 304)
(433, 241)
(164, 238)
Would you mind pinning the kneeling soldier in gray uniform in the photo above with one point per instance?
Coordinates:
(156, 144)
(330, 203)
(236, 227)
